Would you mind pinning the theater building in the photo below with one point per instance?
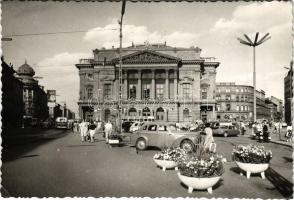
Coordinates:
(159, 82)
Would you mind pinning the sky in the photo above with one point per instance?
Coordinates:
(213, 27)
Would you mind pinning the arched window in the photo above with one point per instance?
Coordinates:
(132, 112)
(146, 112)
(160, 113)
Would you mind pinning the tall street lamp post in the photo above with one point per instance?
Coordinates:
(254, 44)
(120, 67)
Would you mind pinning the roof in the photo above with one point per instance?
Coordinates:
(26, 69)
(180, 53)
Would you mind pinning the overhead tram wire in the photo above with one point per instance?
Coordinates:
(55, 33)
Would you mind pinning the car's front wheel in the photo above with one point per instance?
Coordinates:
(141, 144)
(187, 145)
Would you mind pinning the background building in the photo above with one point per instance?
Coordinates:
(235, 102)
(280, 107)
(288, 95)
(159, 81)
(34, 96)
(12, 100)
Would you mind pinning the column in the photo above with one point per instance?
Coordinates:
(81, 112)
(166, 92)
(125, 87)
(175, 84)
(152, 95)
(139, 89)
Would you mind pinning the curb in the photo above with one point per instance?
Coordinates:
(287, 145)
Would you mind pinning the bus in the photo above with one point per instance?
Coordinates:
(61, 123)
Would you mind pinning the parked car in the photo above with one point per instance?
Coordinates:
(135, 126)
(126, 126)
(164, 134)
(225, 130)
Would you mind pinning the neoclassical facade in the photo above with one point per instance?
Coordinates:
(159, 82)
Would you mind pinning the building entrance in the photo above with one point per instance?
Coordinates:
(160, 114)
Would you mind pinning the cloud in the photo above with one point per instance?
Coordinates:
(236, 59)
(60, 73)
(255, 17)
(108, 36)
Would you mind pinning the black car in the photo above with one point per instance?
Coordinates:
(126, 126)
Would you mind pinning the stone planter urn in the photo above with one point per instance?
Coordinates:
(199, 183)
(166, 164)
(253, 168)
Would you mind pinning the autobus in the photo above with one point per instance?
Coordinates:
(61, 123)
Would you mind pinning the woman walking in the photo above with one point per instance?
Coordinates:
(209, 141)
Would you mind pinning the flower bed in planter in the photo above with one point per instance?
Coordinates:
(252, 159)
(200, 170)
(167, 158)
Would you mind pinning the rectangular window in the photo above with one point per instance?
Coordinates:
(228, 107)
(90, 93)
(237, 98)
(204, 93)
(241, 108)
(218, 97)
(217, 107)
(228, 90)
(187, 91)
(146, 91)
(237, 90)
(228, 97)
(159, 90)
(241, 89)
(237, 108)
(107, 91)
(132, 91)
(219, 90)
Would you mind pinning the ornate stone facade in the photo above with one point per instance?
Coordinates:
(159, 82)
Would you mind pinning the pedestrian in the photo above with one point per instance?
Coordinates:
(83, 130)
(209, 141)
(243, 128)
(92, 130)
(108, 130)
(289, 133)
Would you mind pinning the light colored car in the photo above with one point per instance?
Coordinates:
(225, 130)
(135, 126)
(164, 134)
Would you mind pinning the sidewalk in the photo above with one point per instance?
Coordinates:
(24, 135)
(275, 137)
(283, 141)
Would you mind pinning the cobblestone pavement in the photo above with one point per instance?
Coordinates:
(68, 167)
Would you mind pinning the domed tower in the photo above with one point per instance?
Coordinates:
(26, 74)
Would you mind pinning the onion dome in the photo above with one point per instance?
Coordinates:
(25, 69)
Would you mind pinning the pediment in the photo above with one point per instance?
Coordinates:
(148, 56)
